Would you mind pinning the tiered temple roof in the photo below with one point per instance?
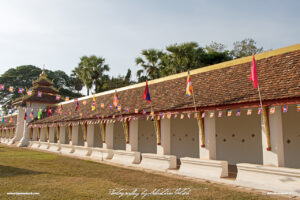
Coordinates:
(44, 85)
(221, 86)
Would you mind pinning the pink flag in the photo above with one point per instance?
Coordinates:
(253, 75)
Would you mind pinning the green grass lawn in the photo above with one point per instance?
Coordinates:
(59, 177)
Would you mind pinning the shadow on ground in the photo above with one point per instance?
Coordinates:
(7, 171)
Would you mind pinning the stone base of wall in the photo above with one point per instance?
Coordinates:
(277, 179)
(126, 157)
(54, 147)
(34, 144)
(158, 162)
(44, 145)
(82, 151)
(66, 149)
(205, 169)
(102, 154)
(3, 140)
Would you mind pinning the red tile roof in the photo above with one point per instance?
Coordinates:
(220, 88)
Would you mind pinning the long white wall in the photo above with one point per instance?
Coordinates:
(185, 137)
(239, 138)
(291, 137)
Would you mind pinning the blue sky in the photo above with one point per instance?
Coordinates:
(58, 32)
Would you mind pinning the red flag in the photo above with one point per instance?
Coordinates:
(31, 114)
(146, 95)
(253, 75)
(49, 111)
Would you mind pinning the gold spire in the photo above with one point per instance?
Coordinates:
(43, 74)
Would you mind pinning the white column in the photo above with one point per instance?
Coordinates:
(63, 137)
(133, 136)
(275, 156)
(10, 133)
(209, 151)
(109, 141)
(35, 134)
(20, 125)
(26, 137)
(77, 136)
(52, 132)
(43, 134)
(93, 135)
(165, 147)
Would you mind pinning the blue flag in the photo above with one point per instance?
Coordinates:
(2, 120)
(77, 106)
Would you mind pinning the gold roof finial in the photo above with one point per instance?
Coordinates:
(43, 74)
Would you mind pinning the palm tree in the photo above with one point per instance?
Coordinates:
(91, 70)
(184, 56)
(150, 64)
(84, 72)
(98, 70)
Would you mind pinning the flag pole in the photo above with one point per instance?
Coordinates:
(194, 102)
(265, 120)
(259, 97)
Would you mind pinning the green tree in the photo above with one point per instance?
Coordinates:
(90, 71)
(246, 47)
(63, 82)
(215, 47)
(111, 83)
(183, 57)
(19, 77)
(179, 58)
(22, 77)
(150, 62)
(77, 84)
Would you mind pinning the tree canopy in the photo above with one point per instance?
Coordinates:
(91, 70)
(22, 77)
(178, 58)
(246, 47)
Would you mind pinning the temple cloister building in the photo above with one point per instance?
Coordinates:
(225, 137)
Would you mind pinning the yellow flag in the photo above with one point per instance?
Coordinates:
(94, 104)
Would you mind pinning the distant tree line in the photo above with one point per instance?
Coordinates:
(155, 63)
(91, 71)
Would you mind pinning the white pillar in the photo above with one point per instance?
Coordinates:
(109, 141)
(26, 137)
(93, 135)
(52, 135)
(165, 147)
(43, 134)
(63, 137)
(7, 133)
(11, 131)
(35, 134)
(133, 136)
(275, 156)
(20, 125)
(77, 136)
(209, 151)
